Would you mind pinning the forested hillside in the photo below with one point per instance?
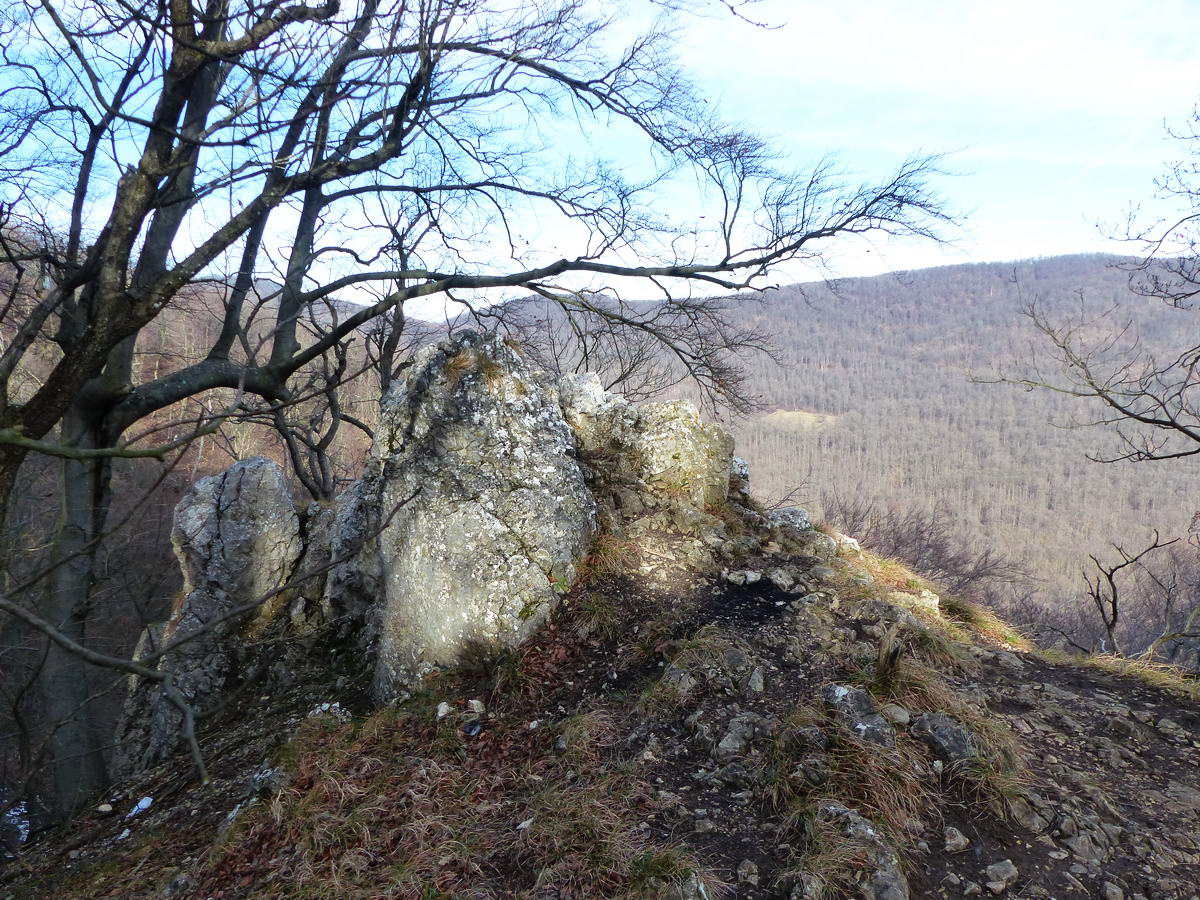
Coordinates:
(875, 400)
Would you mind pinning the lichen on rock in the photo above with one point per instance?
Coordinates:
(237, 538)
(483, 508)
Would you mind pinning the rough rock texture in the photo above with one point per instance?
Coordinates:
(790, 521)
(665, 446)
(682, 454)
(949, 741)
(853, 708)
(308, 607)
(355, 580)
(883, 878)
(484, 511)
(237, 538)
(660, 476)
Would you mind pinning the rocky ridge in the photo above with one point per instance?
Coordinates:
(705, 698)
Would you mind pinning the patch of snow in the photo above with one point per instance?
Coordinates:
(17, 819)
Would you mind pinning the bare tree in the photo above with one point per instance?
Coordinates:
(1148, 397)
(1104, 591)
(379, 151)
(642, 348)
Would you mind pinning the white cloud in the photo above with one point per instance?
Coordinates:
(1057, 108)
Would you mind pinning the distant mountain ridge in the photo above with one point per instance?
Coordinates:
(889, 360)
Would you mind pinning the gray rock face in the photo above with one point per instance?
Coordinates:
(948, 740)
(656, 469)
(854, 709)
(743, 730)
(308, 607)
(237, 537)
(463, 532)
(790, 522)
(683, 454)
(355, 581)
(482, 510)
(665, 445)
(739, 477)
(812, 543)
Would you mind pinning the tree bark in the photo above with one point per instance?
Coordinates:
(74, 768)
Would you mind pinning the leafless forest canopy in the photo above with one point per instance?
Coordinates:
(883, 400)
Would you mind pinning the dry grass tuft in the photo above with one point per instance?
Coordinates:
(460, 364)
(588, 735)
(890, 574)
(830, 865)
(912, 684)
(597, 614)
(986, 623)
(999, 772)
(402, 804)
(491, 370)
(610, 557)
(656, 635)
(888, 785)
(959, 618)
(700, 656)
(734, 524)
(941, 646)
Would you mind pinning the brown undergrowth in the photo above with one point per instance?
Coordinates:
(404, 804)
(888, 785)
(813, 761)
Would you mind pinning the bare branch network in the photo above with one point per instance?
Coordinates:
(397, 152)
(1147, 395)
(309, 171)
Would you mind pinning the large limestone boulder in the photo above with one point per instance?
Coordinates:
(665, 445)
(683, 455)
(481, 509)
(237, 538)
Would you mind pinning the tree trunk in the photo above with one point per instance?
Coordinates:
(75, 768)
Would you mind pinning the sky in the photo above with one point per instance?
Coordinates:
(1053, 112)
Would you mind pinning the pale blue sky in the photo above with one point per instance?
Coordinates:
(1056, 108)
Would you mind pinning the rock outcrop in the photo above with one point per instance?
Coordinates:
(237, 538)
(654, 469)
(483, 514)
(665, 446)
(486, 486)
(745, 700)
(467, 527)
